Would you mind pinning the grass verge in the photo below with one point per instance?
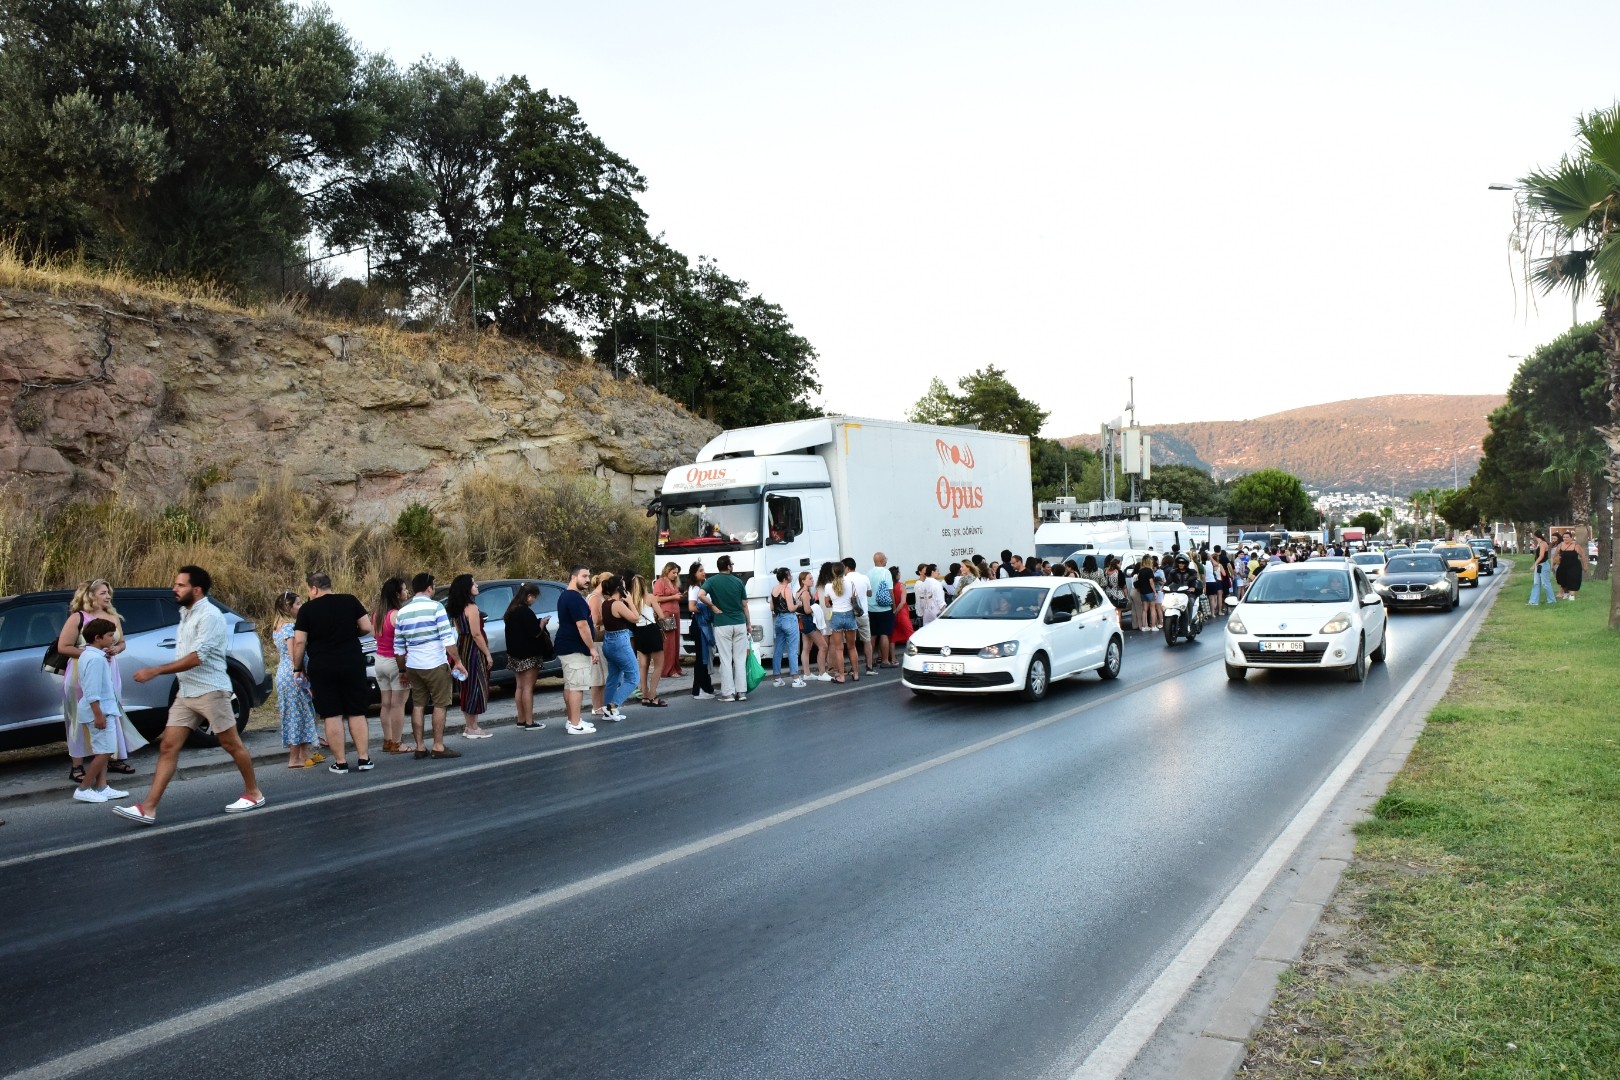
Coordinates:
(1477, 933)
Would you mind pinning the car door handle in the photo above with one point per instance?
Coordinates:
(169, 644)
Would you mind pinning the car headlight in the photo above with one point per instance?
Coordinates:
(1337, 625)
(1379, 586)
(911, 648)
(1234, 625)
(997, 651)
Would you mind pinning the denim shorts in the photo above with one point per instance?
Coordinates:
(842, 620)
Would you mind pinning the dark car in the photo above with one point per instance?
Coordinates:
(492, 600)
(1418, 580)
(31, 709)
(1486, 550)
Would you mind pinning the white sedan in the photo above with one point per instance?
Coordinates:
(1372, 563)
(1323, 614)
(1016, 634)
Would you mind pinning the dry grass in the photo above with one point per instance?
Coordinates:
(73, 277)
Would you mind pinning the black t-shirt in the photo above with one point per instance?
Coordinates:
(331, 630)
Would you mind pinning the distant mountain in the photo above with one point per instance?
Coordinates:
(1400, 443)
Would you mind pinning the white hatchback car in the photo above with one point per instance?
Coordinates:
(1016, 634)
(1318, 614)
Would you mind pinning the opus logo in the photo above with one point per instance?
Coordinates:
(955, 493)
(698, 476)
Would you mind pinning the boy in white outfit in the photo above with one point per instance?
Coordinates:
(99, 712)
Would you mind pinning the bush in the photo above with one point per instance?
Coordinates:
(417, 528)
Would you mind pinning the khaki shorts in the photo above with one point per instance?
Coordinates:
(387, 671)
(863, 627)
(598, 669)
(578, 671)
(210, 712)
(431, 686)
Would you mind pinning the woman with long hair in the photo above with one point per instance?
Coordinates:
(391, 688)
(473, 648)
(903, 628)
(785, 626)
(666, 596)
(812, 620)
(702, 609)
(617, 619)
(299, 726)
(92, 600)
(839, 601)
(649, 641)
(523, 651)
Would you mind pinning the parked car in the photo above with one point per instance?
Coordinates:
(492, 601)
(1487, 554)
(31, 709)
(1418, 580)
(1323, 615)
(1015, 634)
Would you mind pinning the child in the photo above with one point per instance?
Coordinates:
(101, 722)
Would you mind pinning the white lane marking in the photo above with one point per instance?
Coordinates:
(109, 1051)
(134, 835)
(1119, 1047)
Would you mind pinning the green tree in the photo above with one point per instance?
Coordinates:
(986, 399)
(172, 136)
(1458, 510)
(1368, 521)
(1514, 481)
(1192, 487)
(1050, 462)
(1569, 231)
(1272, 495)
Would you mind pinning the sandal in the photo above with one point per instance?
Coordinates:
(838, 678)
(76, 773)
(121, 767)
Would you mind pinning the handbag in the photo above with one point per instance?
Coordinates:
(542, 643)
(756, 670)
(55, 663)
(667, 623)
(855, 607)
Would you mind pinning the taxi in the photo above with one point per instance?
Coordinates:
(1462, 559)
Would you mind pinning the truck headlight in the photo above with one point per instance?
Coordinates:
(997, 651)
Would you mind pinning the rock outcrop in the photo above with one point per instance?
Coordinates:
(153, 398)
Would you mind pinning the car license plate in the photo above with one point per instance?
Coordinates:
(1406, 596)
(943, 669)
(1282, 646)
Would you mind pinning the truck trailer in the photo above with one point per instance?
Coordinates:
(799, 494)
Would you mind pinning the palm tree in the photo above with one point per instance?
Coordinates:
(1567, 226)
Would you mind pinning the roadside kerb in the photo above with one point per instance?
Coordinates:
(1219, 1049)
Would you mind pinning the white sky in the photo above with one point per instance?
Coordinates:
(1248, 207)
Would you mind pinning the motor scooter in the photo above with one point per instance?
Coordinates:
(1183, 614)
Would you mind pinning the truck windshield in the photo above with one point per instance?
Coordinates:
(709, 526)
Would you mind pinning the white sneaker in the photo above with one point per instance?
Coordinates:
(703, 695)
(824, 677)
(776, 682)
(85, 794)
(580, 728)
(110, 793)
(799, 684)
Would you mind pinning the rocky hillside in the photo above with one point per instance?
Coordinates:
(151, 396)
(1403, 442)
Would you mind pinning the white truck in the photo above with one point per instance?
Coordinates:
(812, 491)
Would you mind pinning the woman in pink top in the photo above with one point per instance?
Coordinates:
(390, 680)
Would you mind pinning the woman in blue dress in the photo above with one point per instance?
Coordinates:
(298, 726)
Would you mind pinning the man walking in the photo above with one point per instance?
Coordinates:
(732, 629)
(882, 609)
(426, 647)
(1541, 571)
(862, 589)
(203, 701)
(328, 631)
(576, 647)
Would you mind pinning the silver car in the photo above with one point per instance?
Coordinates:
(31, 708)
(493, 598)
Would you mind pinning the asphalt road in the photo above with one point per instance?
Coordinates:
(831, 882)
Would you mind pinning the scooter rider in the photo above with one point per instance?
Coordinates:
(1183, 574)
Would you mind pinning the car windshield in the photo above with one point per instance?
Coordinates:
(1300, 587)
(1415, 564)
(997, 602)
(1367, 560)
(1458, 553)
(713, 526)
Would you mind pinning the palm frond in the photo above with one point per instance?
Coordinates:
(1576, 194)
(1569, 270)
(1600, 138)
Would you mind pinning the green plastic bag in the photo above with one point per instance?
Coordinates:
(756, 670)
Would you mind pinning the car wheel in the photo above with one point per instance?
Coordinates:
(1358, 673)
(1381, 653)
(1456, 599)
(1038, 679)
(1111, 659)
(1236, 674)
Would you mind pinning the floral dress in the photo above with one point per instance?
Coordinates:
(292, 697)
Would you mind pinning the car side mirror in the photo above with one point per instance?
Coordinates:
(1059, 617)
(1370, 600)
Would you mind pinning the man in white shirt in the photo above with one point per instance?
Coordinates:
(861, 585)
(203, 701)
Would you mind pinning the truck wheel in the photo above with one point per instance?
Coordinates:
(1038, 679)
(1111, 659)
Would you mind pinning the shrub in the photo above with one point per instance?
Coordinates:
(417, 528)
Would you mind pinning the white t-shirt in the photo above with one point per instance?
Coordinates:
(861, 586)
(839, 603)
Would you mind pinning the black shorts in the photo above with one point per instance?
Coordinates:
(882, 624)
(339, 691)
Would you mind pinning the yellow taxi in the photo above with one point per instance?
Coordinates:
(1462, 559)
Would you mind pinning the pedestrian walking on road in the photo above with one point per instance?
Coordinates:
(472, 645)
(203, 700)
(93, 600)
(666, 595)
(99, 712)
(618, 619)
(391, 688)
(576, 647)
(527, 644)
(425, 643)
(703, 651)
(1541, 570)
(733, 629)
(298, 721)
(328, 630)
